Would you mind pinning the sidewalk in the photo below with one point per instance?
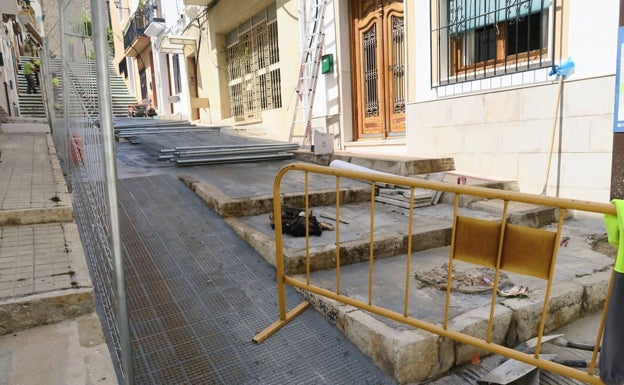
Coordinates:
(49, 331)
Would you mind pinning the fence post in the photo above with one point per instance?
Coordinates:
(106, 124)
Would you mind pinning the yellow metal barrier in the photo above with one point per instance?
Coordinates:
(497, 245)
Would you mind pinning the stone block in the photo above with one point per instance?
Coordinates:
(566, 299)
(475, 323)
(44, 309)
(595, 288)
(419, 355)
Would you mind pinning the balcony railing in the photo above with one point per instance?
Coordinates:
(140, 21)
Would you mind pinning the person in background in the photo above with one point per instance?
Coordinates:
(37, 63)
(29, 72)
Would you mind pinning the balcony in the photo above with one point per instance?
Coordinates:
(26, 14)
(135, 38)
(198, 2)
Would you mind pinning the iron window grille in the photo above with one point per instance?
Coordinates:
(477, 39)
(252, 56)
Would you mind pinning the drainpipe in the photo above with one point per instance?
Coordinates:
(106, 124)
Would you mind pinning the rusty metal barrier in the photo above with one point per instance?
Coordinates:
(498, 245)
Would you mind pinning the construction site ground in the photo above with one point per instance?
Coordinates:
(200, 286)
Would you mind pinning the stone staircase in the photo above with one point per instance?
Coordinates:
(581, 279)
(31, 105)
(81, 77)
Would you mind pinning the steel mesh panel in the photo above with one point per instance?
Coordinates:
(208, 301)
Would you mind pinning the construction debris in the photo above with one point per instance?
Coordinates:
(400, 196)
(186, 156)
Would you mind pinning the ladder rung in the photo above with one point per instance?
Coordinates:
(310, 58)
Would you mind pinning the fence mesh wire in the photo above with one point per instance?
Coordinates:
(71, 92)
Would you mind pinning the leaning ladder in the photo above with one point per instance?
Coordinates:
(313, 14)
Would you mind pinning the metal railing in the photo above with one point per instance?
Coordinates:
(495, 244)
(139, 22)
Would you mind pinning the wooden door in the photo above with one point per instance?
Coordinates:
(378, 68)
(191, 68)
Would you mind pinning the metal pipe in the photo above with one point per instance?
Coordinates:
(216, 147)
(65, 86)
(125, 134)
(220, 146)
(232, 159)
(106, 124)
(259, 150)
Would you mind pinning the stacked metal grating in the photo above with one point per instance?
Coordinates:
(185, 144)
(235, 153)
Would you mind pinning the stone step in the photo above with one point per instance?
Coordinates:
(581, 279)
(392, 164)
(580, 283)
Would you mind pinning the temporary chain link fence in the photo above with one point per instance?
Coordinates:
(71, 93)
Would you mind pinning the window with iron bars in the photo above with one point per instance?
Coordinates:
(476, 39)
(252, 56)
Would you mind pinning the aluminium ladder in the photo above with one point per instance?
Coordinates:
(311, 52)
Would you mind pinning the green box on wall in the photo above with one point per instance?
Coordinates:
(327, 63)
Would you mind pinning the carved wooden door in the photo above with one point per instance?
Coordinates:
(378, 68)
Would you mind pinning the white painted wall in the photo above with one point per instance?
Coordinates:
(501, 127)
(326, 101)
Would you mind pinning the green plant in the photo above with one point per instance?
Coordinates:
(85, 22)
(110, 39)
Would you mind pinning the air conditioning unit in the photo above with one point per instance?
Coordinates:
(174, 98)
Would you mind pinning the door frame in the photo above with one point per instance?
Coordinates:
(355, 51)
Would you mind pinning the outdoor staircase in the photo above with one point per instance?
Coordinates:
(31, 105)
(85, 84)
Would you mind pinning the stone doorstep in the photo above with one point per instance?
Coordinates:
(393, 164)
(36, 216)
(61, 211)
(240, 207)
(393, 242)
(77, 299)
(515, 320)
(45, 308)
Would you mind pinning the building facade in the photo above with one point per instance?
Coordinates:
(156, 61)
(21, 35)
(469, 79)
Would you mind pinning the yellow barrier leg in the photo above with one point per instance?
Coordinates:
(277, 325)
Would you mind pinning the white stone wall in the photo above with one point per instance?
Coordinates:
(507, 134)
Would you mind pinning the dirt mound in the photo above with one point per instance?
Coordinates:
(465, 280)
